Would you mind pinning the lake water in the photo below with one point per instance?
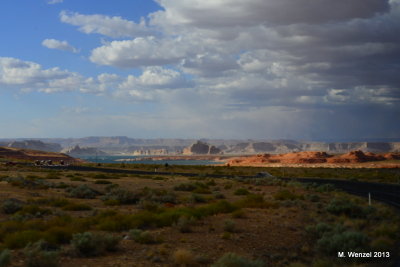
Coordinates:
(117, 159)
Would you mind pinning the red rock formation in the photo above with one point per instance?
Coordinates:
(356, 157)
(312, 157)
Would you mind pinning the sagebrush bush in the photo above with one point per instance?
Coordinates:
(59, 235)
(37, 256)
(76, 207)
(83, 191)
(185, 187)
(11, 206)
(233, 260)
(195, 198)
(256, 201)
(184, 224)
(286, 195)
(183, 257)
(122, 196)
(143, 237)
(102, 182)
(330, 244)
(230, 226)
(35, 211)
(77, 179)
(158, 195)
(110, 242)
(87, 244)
(218, 195)
(344, 206)
(241, 192)
(21, 239)
(53, 175)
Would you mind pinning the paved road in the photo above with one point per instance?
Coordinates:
(387, 193)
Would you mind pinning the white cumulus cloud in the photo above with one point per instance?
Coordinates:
(109, 26)
(59, 45)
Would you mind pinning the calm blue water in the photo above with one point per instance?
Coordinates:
(115, 159)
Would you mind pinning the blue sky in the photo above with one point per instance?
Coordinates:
(265, 69)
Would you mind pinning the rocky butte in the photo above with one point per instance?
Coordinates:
(201, 148)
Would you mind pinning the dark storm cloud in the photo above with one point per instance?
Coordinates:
(221, 13)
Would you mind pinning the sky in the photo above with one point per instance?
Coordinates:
(255, 69)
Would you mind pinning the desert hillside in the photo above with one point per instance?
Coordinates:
(10, 153)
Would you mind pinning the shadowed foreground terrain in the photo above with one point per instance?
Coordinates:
(54, 217)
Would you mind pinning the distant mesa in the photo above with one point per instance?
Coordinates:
(36, 145)
(201, 148)
(78, 151)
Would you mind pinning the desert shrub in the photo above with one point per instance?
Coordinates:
(313, 198)
(54, 202)
(228, 186)
(77, 179)
(110, 187)
(230, 226)
(111, 202)
(52, 175)
(149, 205)
(159, 195)
(90, 244)
(185, 187)
(11, 206)
(102, 182)
(116, 223)
(58, 235)
(5, 258)
(37, 256)
(256, 201)
(28, 183)
(21, 239)
(86, 244)
(233, 260)
(238, 214)
(61, 185)
(218, 195)
(286, 195)
(110, 242)
(143, 237)
(334, 237)
(122, 196)
(344, 206)
(76, 207)
(325, 188)
(183, 257)
(99, 176)
(241, 192)
(195, 198)
(331, 243)
(184, 224)
(34, 210)
(82, 191)
(221, 206)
